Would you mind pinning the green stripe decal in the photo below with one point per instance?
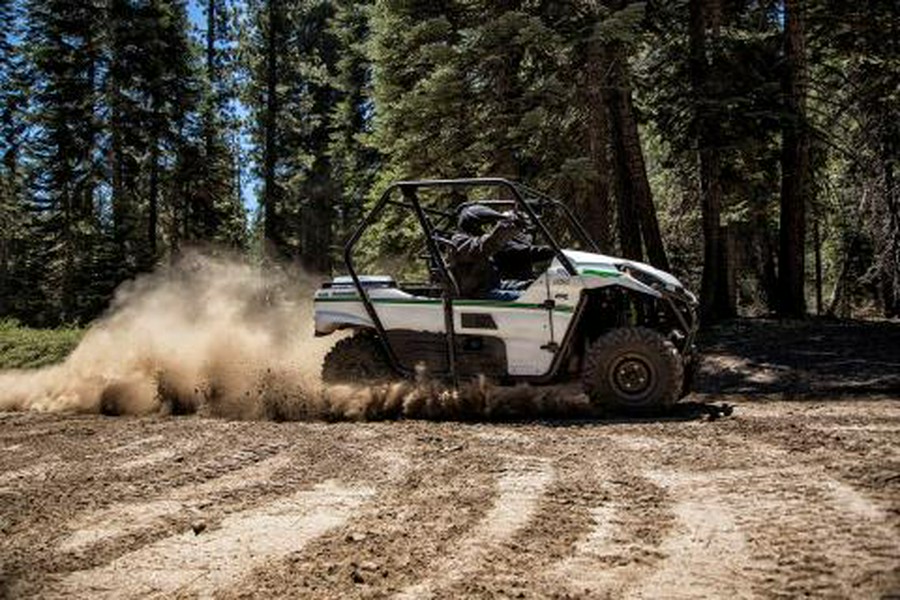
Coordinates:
(597, 273)
(494, 303)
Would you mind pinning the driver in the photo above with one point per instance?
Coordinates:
(516, 258)
(480, 260)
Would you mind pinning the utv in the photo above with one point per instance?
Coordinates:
(624, 328)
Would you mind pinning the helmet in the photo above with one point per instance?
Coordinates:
(474, 217)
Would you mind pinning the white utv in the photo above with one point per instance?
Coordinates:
(623, 328)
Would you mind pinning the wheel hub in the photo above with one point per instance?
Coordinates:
(632, 376)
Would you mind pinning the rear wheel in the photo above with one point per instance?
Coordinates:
(359, 358)
(633, 369)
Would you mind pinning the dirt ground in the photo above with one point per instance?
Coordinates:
(795, 493)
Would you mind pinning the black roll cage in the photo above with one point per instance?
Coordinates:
(449, 287)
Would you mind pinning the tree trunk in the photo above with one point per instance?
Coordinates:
(817, 248)
(115, 159)
(839, 305)
(211, 77)
(270, 194)
(626, 210)
(153, 200)
(794, 168)
(890, 267)
(714, 303)
(637, 215)
(597, 206)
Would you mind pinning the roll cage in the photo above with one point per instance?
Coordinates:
(522, 198)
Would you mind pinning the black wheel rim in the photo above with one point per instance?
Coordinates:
(632, 376)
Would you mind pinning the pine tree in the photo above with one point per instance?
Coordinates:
(705, 25)
(636, 211)
(714, 109)
(424, 108)
(213, 207)
(593, 63)
(162, 191)
(794, 167)
(854, 75)
(13, 97)
(354, 159)
(291, 58)
(64, 40)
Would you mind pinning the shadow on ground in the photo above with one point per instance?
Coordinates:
(800, 358)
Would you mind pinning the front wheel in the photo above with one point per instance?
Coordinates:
(634, 369)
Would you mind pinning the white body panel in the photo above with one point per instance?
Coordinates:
(524, 325)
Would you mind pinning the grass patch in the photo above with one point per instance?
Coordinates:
(26, 348)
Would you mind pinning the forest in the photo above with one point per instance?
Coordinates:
(749, 146)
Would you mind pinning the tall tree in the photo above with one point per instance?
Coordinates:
(170, 85)
(64, 38)
(354, 159)
(705, 23)
(597, 207)
(213, 206)
(636, 212)
(125, 145)
(271, 24)
(794, 166)
(13, 97)
(423, 112)
(291, 58)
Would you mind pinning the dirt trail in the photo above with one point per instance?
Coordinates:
(780, 499)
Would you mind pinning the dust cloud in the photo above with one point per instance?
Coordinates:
(220, 337)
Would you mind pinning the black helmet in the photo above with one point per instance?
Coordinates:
(474, 217)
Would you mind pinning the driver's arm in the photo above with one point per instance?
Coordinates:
(489, 243)
(495, 239)
(539, 253)
(521, 248)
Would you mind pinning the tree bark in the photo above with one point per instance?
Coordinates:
(210, 75)
(637, 215)
(597, 206)
(794, 167)
(153, 200)
(270, 192)
(890, 268)
(705, 15)
(626, 210)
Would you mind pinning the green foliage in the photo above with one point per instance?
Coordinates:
(354, 160)
(292, 50)
(108, 163)
(120, 129)
(26, 348)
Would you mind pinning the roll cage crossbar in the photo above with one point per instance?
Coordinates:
(449, 288)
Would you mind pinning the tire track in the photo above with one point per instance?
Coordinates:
(623, 543)
(127, 519)
(190, 564)
(706, 553)
(519, 491)
(771, 531)
(429, 494)
(768, 503)
(518, 566)
(35, 473)
(811, 534)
